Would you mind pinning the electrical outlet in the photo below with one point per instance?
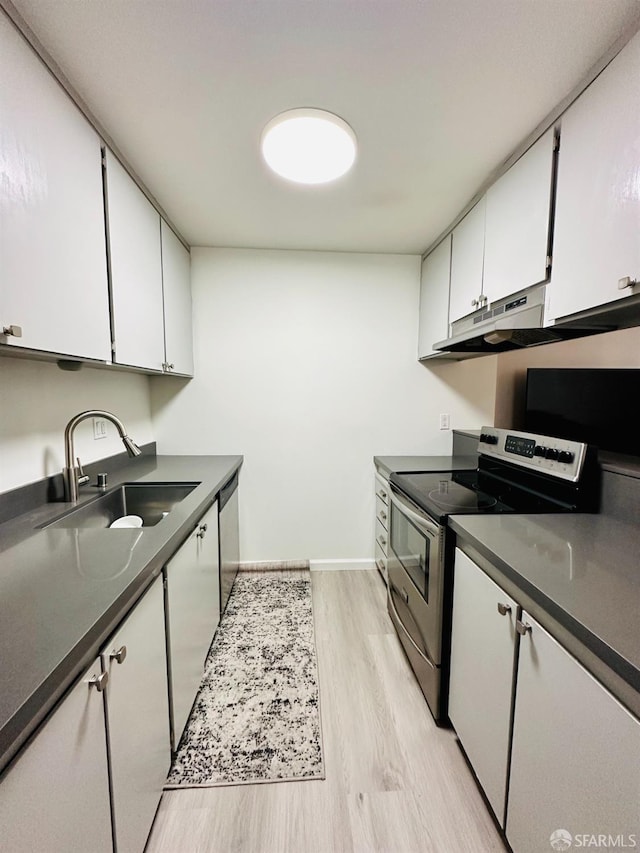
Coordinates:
(99, 428)
(444, 421)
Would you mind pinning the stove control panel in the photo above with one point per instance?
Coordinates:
(557, 457)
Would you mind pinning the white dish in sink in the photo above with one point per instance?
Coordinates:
(127, 521)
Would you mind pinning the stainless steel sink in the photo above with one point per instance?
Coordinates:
(151, 501)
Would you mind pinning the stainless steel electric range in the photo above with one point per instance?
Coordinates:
(517, 472)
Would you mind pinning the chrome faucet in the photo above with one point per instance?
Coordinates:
(73, 474)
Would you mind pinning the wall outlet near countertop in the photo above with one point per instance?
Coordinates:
(445, 422)
(99, 428)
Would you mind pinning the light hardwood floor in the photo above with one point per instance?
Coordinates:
(395, 782)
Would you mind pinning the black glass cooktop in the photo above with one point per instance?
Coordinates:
(468, 492)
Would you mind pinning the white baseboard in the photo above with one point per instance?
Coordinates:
(315, 565)
(274, 566)
(342, 565)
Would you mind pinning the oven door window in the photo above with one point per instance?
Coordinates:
(412, 548)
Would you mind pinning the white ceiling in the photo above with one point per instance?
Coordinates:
(439, 93)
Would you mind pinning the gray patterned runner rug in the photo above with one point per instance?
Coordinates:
(256, 717)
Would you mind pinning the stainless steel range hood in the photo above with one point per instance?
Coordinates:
(513, 323)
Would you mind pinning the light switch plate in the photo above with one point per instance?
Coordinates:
(99, 428)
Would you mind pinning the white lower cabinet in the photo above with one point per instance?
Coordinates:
(572, 763)
(481, 683)
(382, 524)
(138, 719)
(193, 613)
(55, 797)
(576, 753)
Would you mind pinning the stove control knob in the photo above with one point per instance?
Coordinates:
(551, 453)
(539, 450)
(483, 437)
(565, 456)
(491, 439)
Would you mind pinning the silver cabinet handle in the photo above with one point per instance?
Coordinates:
(522, 628)
(12, 331)
(99, 681)
(623, 283)
(383, 515)
(382, 540)
(503, 609)
(380, 566)
(201, 531)
(382, 495)
(167, 366)
(475, 303)
(119, 655)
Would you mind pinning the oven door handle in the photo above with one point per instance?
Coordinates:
(400, 623)
(422, 521)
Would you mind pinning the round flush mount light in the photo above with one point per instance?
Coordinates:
(308, 146)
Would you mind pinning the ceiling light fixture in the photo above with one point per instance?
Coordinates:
(308, 146)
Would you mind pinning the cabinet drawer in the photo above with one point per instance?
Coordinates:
(382, 537)
(381, 561)
(382, 490)
(382, 513)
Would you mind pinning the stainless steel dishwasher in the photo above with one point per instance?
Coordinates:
(229, 539)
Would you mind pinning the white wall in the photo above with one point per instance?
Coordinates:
(306, 363)
(38, 399)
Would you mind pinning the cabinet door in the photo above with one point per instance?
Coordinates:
(482, 660)
(138, 714)
(516, 242)
(597, 226)
(136, 271)
(176, 285)
(467, 258)
(576, 751)
(53, 276)
(434, 298)
(55, 797)
(193, 607)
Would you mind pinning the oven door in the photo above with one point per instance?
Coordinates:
(415, 571)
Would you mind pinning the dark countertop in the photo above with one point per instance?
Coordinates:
(387, 465)
(580, 574)
(63, 591)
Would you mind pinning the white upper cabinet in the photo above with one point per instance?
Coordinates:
(502, 244)
(597, 227)
(176, 280)
(53, 272)
(434, 298)
(467, 258)
(517, 224)
(136, 271)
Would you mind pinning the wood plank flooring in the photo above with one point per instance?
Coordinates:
(395, 782)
